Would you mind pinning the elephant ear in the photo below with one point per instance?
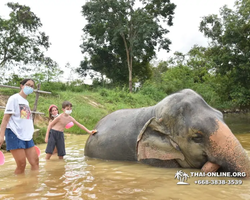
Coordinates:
(154, 142)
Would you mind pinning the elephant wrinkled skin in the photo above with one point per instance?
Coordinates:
(182, 130)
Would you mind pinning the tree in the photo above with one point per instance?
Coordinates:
(177, 78)
(120, 33)
(48, 72)
(200, 63)
(230, 48)
(20, 40)
(105, 63)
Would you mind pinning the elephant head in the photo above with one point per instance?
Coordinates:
(186, 129)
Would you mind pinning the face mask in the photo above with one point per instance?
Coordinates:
(68, 112)
(27, 90)
(54, 115)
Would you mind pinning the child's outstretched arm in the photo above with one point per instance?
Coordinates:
(83, 127)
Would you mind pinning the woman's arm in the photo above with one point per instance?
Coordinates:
(6, 119)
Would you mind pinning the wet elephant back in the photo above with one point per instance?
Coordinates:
(117, 134)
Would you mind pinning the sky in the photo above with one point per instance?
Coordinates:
(63, 22)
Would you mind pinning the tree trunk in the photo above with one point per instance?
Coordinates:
(130, 75)
(130, 79)
(129, 61)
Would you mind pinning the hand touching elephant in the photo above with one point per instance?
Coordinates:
(182, 130)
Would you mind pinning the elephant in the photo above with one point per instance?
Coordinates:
(181, 131)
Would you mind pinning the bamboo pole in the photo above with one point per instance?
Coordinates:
(13, 87)
(37, 96)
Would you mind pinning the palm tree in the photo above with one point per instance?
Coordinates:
(179, 174)
(185, 176)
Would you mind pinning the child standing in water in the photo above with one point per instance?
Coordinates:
(53, 113)
(55, 136)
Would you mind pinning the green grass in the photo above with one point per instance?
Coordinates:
(88, 106)
(92, 104)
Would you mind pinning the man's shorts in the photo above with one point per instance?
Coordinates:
(56, 139)
(13, 142)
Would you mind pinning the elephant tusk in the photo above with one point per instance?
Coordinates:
(210, 167)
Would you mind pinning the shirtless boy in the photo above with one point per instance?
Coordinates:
(55, 136)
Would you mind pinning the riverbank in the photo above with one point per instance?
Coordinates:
(235, 111)
(89, 106)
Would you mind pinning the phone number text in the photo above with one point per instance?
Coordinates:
(219, 182)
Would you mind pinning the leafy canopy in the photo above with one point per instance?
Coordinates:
(120, 33)
(230, 47)
(20, 39)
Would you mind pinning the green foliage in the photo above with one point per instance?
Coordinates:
(207, 92)
(120, 98)
(74, 86)
(230, 48)
(53, 86)
(240, 96)
(195, 71)
(153, 91)
(178, 78)
(122, 38)
(13, 80)
(40, 138)
(48, 72)
(20, 39)
(200, 64)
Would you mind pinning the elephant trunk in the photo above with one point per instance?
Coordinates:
(226, 151)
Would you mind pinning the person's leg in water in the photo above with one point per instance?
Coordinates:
(20, 158)
(60, 145)
(47, 157)
(32, 157)
(21, 150)
(55, 151)
(50, 145)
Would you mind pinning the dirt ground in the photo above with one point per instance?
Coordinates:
(3, 99)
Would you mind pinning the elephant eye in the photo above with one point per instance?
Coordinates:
(197, 137)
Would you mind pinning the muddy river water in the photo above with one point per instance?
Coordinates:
(77, 177)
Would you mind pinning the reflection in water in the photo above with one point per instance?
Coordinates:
(78, 177)
(238, 123)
